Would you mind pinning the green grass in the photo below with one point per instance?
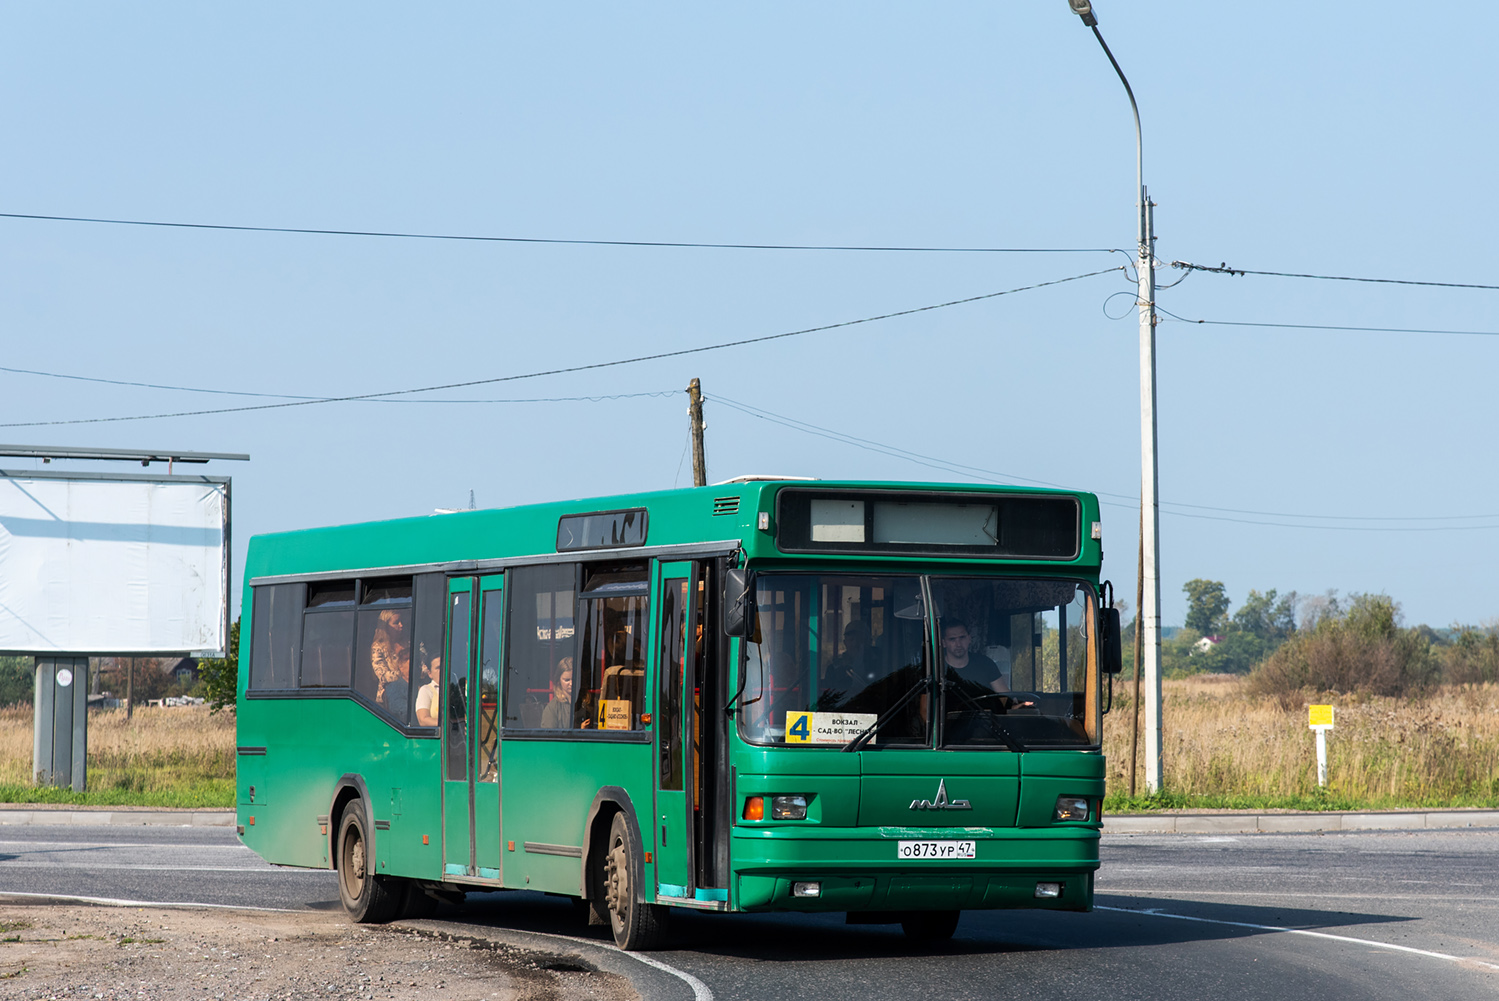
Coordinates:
(209, 794)
(1319, 801)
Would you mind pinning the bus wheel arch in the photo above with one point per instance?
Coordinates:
(608, 801)
(347, 789)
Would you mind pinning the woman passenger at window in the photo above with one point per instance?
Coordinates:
(390, 655)
(558, 714)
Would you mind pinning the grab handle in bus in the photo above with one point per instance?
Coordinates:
(739, 612)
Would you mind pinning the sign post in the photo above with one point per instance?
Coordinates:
(1319, 719)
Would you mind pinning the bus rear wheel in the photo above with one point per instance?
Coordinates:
(368, 898)
(930, 926)
(636, 925)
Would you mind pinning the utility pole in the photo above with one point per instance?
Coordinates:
(1134, 709)
(130, 690)
(695, 416)
(1148, 614)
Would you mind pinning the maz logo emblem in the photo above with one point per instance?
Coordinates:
(941, 802)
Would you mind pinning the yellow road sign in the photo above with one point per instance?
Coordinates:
(1319, 716)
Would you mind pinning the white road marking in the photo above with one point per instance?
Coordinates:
(119, 902)
(1156, 912)
(105, 867)
(1141, 891)
(700, 990)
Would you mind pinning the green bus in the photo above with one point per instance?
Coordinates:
(773, 694)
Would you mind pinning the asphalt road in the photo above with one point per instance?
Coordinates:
(1179, 916)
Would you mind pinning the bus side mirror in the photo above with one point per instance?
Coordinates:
(1111, 639)
(739, 611)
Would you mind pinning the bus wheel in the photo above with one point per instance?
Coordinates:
(635, 925)
(930, 926)
(416, 902)
(368, 898)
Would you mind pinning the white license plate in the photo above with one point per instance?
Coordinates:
(935, 849)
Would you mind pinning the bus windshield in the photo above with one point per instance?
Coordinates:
(841, 654)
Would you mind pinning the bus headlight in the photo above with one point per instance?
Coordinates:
(1071, 808)
(788, 807)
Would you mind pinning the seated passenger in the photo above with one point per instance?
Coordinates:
(558, 714)
(429, 697)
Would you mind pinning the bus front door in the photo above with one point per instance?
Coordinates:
(688, 746)
(471, 751)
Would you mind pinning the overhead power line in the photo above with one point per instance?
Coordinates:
(472, 238)
(1330, 326)
(320, 399)
(565, 370)
(1224, 269)
(993, 476)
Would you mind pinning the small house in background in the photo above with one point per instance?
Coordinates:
(185, 672)
(1206, 643)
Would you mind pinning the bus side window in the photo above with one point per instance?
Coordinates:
(328, 635)
(431, 603)
(276, 636)
(540, 635)
(609, 683)
(382, 664)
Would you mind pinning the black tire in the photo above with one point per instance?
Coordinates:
(416, 902)
(368, 898)
(930, 926)
(636, 925)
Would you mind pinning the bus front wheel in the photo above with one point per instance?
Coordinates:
(636, 925)
(368, 898)
(930, 926)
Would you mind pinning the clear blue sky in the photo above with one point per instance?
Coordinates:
(1345, 140)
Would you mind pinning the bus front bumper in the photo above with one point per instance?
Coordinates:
(858, 870)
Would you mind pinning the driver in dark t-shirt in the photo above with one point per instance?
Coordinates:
(968, 664)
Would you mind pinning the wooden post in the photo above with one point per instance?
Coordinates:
(1134, 713)
(695, 413)
(130, 689)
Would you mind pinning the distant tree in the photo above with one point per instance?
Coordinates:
(1207, 605)
(1472, 658)
(1263, 616)
(220, 675)
(17, 680)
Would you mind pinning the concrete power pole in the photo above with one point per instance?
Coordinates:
(1148, 615)
(695, 415)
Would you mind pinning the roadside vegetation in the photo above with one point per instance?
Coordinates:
(1417, 708)
(182, 756)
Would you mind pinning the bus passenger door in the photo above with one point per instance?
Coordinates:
(673, 855)
(471, 790)
(457, 789)
(485, 723)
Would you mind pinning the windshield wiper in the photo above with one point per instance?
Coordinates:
(865, 735)
(1004, 735)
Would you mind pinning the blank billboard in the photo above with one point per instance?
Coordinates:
(113, 563)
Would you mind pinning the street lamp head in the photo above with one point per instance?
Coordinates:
(1084, 10)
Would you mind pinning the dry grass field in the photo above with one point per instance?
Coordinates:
(180, 756)
(1224, 748)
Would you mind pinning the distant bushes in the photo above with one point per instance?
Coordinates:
(1364, 649)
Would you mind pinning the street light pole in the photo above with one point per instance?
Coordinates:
(1149, 612)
